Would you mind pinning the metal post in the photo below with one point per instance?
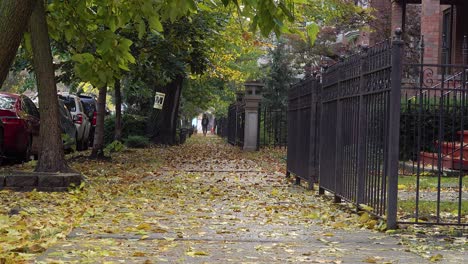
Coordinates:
(419, 130)
(362, 132)
(394, 131)
(338, 139)
(465, 50)
(444, 49)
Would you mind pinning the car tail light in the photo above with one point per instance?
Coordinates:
(78, 119)
(94, 118)
(11, 120)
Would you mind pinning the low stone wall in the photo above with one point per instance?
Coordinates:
(41, 181)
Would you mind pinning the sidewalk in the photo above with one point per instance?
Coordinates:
(211, 203)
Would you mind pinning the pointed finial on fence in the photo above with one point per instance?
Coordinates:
(421, 43)
(365, 48)
(444, 41)
(421, 50)
(342, 57)
(398, 33)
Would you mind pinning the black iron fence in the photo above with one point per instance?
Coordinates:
(377, 132)
(303, 115)
(236, 124)
(391, 135)
(359, 128)
(272, 127)
(434, 144)
(222, 127)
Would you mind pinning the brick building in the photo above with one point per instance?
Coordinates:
(443, 26)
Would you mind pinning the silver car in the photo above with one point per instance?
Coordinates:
(81, 120)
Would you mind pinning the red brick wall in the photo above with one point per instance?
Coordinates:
(431, 29)
(397, 11)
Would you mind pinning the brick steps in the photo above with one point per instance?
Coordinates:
(450, 154)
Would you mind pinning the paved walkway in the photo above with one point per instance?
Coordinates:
(210, 203)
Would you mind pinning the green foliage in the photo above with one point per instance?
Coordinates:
(428, 117)
(278, 79)
(137, 142)
(131, 125)
(94, 31)
(115, 146)
(68, 141)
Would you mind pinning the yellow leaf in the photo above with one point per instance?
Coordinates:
(371, 224)
(138, 254)
(329, 234)
(339, 225)
(313, 216)
(370, 260)
(197, 253)
(364, 218)
(365, 207)
(437, 257)
(274, 192)
(144, 226)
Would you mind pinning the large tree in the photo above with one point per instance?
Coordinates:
(91, 31)
(51, 156)
(14, 16)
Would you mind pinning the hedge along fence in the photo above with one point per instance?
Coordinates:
(434, 113)
(132, 125)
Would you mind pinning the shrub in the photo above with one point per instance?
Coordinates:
(137, 142)
(115, 146)
(134, 125)
(454, 117)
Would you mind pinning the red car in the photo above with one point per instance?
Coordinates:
(20, 119)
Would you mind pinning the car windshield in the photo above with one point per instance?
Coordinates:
(69, 102)
(88, 105)
(6, 102)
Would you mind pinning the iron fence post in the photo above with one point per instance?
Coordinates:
(362, 131)
(465, 50)
(394, 131)
(338, 139)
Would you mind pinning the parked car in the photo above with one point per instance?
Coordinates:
(90, 105)
(2, 148)
(20, 119)
(67, 126)
(80, 118)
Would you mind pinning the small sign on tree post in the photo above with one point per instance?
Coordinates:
(159, 100)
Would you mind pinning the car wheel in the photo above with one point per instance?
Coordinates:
(79, 145)
(85, 144)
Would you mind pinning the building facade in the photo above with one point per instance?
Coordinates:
(443, 26)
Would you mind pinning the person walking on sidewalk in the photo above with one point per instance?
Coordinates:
(204, 124)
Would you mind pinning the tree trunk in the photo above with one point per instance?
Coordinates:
(162, 123)
(14, 17)
(118, 111)
(98, 144)
(51, 156)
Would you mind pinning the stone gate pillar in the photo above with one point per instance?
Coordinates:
(252, 101)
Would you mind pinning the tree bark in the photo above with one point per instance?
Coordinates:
(51, 155)
(118, 111)
(14, 17)
(163, 123)
(98, 144)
